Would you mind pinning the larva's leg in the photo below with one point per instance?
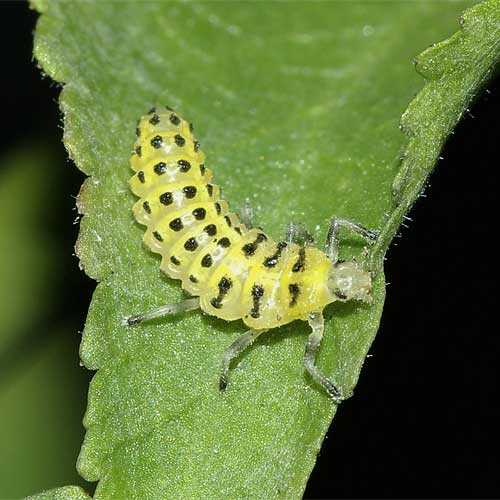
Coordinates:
(317, 323)
(167, 310)
(332, 240)
(298, 233)
(246, 214)
(237, 347)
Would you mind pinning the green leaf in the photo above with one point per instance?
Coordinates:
(65, 493)
(457, 69)
(297, 107)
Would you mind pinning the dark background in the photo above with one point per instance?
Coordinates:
(424, 419)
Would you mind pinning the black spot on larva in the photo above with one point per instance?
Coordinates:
(250, 248)
(157, 141)
(217, 208)
(273, 259)
(138, 131)
(199, 213)
(176, 224)
(211, 229)
(340, 261)
(224, 286)
(191, 245)
(184, 165)
(154, 120)
(340, 294)
(193, 279)
(175, 260)
(160, 168)
(238, 230)
(179, 140)
(140, 176)
(152, 110)
(257, 294)
(138, 151)
(147, 207)
(191, 127)
(228, 220)
(174, 119)
(157, 235)
(300, 263)
(294, 291)
(189, 191)
(216, 303)
(210, 189)
(196, 146)
(166, 199)
(202, 169)
(224, 242)
(206, 261)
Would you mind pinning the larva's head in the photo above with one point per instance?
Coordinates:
(348, 281)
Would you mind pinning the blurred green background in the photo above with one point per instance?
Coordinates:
(43, 295)
(42, 387)
(388, 443)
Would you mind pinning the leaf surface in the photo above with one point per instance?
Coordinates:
(64, 493)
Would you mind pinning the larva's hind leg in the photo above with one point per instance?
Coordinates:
(298, 233)
(332, 239)
(167, 310)
(237, 347)
(317, 323)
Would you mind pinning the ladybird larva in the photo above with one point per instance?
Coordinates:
(234, 271)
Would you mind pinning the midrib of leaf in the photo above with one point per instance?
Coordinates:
(156, 426)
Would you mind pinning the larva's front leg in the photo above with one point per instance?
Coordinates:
(332, 239)
(317, 323)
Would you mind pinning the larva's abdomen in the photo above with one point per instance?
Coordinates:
(239, 273)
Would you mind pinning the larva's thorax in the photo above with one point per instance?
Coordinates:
(239, 273)
(266, 291)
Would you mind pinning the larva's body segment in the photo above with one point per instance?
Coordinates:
(238, 273)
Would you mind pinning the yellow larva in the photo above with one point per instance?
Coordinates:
(234, 271)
